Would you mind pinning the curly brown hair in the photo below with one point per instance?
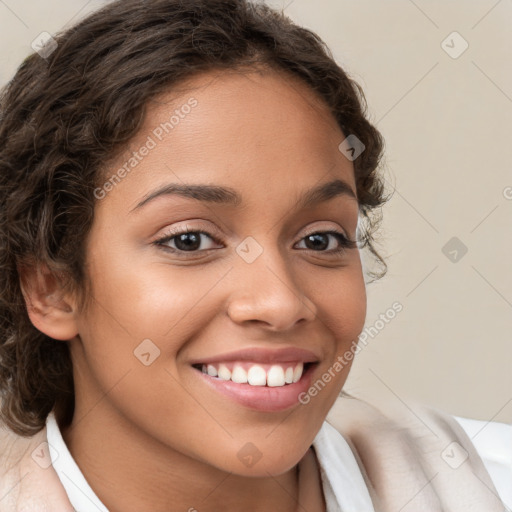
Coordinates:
(65, 116)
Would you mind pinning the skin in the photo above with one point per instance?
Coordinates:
(158, 430)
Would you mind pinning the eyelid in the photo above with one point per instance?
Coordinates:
(326, 229)
(217, 235)
(211, 230)
(345, 242)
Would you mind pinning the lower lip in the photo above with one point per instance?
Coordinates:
(262, 398)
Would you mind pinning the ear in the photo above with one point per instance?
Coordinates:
(50, 310)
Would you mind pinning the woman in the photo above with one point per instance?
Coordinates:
(185, 191)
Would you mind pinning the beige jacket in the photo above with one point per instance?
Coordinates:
(413, 460)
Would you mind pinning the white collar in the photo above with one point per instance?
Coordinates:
(79, 492)
(344, 487)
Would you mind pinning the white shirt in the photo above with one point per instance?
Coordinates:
(343, 484)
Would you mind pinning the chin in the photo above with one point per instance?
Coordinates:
(265, 455)
(275, 464)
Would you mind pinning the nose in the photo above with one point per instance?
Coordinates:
(266, 292)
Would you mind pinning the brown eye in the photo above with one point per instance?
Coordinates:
(319, 242)
(186, 241)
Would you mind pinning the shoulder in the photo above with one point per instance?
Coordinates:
(414, 450)
(27, 478)
(13, 449)
(493, 442)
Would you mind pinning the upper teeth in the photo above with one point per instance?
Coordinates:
(257, 375)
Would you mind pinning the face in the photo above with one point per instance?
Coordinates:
(264, 286)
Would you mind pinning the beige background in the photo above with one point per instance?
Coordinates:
(447, 124)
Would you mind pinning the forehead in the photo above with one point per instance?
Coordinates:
(260, 132)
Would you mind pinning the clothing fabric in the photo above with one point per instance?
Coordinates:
(418, 459)
(342, 481)
(79, 492)
(370, 460)
(493, 442)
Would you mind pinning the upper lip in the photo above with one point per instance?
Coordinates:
(262, 355)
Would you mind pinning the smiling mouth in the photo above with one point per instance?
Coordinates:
(256, 374)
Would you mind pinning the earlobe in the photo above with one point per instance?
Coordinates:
(49, 308)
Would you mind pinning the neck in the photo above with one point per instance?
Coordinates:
(115, 455)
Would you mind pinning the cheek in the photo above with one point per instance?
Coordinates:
(146, 301)
(350, 315)
(131, 337)
(341, 303)
(342, 307)
(139, 319)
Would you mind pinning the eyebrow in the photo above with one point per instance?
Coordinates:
(229, 196)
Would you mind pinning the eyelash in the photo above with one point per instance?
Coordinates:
(345, 243)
